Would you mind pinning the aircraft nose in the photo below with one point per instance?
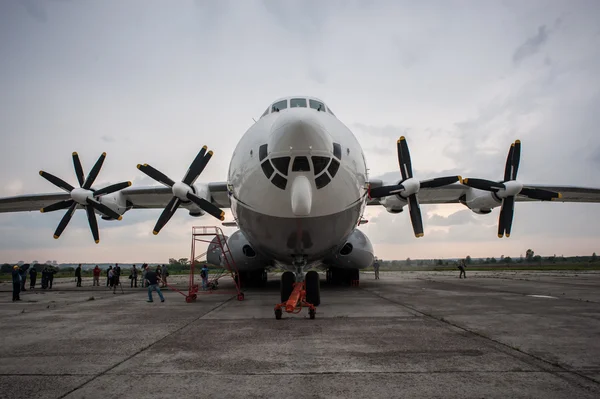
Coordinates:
(299, 130)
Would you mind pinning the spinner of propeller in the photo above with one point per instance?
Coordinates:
(504, 191)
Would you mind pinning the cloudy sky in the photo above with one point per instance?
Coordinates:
(153, 81)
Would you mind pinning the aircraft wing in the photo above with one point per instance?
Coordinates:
(136, 197)
(451, 193)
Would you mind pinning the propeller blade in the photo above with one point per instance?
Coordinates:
(207, 206)
(508, 209)
(415, 215)
(385, 191)
(78, 169)
(540, 194)
(93, 223)
(57, 206)
(112, 188)
(482, 184)
(99, 206)
(166, 214)
(508, 167)
(65, 220)
(516, 158)
(404, 159)
(440, 181)
(94, 172)
(60, 183)
(197, 166)
(156, 175)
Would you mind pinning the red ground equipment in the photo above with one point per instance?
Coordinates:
(207, 239)
(296, 302)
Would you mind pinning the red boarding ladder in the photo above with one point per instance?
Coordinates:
(203, 236)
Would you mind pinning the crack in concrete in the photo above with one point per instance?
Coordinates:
(143, 349)
(563, 370)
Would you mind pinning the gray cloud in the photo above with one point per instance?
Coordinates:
(460, 217)
(531, 46)
(195, 73)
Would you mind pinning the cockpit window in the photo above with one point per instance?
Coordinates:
(279, 105)
(298, 102)
(281, 164)
(318, 105)
(337, 151)
(266, 112)
(301, 165)
(319, 164)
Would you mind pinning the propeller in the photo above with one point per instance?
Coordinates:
(409, 186)
(84, 196)
(183, 191)
(508, 189)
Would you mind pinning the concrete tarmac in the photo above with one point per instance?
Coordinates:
(409, 334)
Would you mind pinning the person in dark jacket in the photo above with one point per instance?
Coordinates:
(133, 276)
(51, 273)
(32, 277)
(78, 275)
(16, 280)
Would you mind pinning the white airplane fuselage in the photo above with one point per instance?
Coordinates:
(298, 184)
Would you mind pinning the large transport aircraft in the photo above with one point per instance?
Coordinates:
(297, 188)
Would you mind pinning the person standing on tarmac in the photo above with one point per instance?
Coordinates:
(108, 276)
(78, 275)
(376, 268)
(461, 267)
(152, 279)
(96, 273)
(16, 280)
(204, 275)
(133, 276)
(23, 272)
(32, 277)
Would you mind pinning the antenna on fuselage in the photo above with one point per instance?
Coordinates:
(254, 120)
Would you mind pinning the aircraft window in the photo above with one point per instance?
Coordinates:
(337, 150)
(266, 112)
(278, 106)
(322, 180)
(267, 168)
(281, 164)
(300, 165)
(262, 152)
(279, 181)
(318, 105)
(333, 167)
(319, 164)
(298, 102)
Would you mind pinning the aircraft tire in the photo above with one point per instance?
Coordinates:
(287, 285)
(313, 291)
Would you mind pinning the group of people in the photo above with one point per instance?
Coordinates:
(19, 278)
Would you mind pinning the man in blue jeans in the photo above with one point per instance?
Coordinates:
(152, 279)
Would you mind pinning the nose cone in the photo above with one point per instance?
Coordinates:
(301, 196)
(299, 129)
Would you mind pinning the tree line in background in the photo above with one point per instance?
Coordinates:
(181, 265)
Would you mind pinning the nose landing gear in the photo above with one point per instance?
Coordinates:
(298, 291)
(296, 302)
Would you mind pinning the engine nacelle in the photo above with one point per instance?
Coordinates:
(356, 253)
(393, 203)
(244, 255)
(202, 191)
(479, 201)
(115, 201)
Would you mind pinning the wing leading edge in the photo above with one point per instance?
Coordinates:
(137, 198)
